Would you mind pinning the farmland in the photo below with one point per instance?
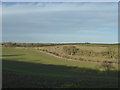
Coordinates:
(35, 67)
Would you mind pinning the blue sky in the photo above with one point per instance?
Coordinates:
(60, 22)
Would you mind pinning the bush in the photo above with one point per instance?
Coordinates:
(110, 53)
(86, 52)
(71, 50)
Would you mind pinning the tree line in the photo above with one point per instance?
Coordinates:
(11, 44)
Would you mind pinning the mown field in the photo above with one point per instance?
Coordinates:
(28, 68)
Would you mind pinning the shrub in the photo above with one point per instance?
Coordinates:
(110, 52)
(86, 52)
(71, 50)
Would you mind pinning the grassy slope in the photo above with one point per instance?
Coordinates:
(27, 55)
(86, 48)
(26, 68)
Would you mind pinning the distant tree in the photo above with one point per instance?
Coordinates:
(87, 43)
(9, 44)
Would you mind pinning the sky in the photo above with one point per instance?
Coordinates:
(60, 22)
(0, 22)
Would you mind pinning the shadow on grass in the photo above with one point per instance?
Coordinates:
(12, 55)
(18, 74)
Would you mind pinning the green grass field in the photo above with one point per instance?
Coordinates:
(24, 67)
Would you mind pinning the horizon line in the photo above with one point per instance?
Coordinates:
(67, 42)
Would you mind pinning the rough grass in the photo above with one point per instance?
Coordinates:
(28, 68)
(95, 52)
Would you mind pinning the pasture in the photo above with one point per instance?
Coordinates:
(29, 68)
